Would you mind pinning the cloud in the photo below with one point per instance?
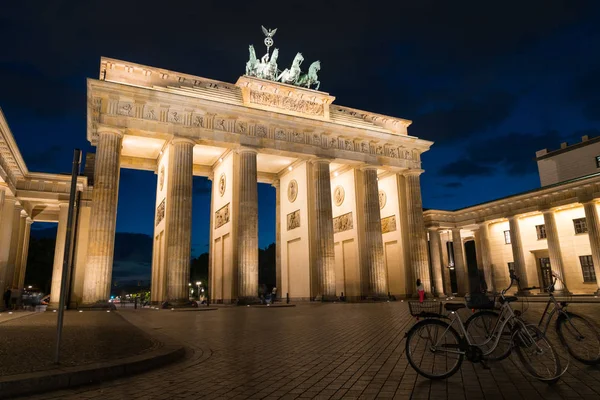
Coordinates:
(453, 184)
(513, 154)
(465, 168)
(464, 118)
(586, 91)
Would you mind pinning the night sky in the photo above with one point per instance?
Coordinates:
(490, 84)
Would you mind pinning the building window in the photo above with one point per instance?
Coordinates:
(511, 267)
(587, 268)
(507, 237)
(541, 231)
(580, 225)
(597, 161)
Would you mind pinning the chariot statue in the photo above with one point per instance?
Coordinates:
(266, 67)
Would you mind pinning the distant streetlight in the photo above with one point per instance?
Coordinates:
(198, 283)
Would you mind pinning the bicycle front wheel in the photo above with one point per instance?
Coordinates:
(432, 349)
(537, 354)
(580, 337)
(481, 328)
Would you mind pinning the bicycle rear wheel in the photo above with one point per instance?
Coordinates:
(481, 329)
(537, 354)
(580, 337)
(432, 349)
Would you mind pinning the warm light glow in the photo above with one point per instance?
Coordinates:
(29, 287)
(199, 283)
(189, 284)
(336, 173)
(290, 168)
(220, 159)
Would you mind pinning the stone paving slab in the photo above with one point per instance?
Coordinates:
(27, 344)
(6, 316)
(329, 351)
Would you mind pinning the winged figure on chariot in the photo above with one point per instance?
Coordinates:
(266, 67)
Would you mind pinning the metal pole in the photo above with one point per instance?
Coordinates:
(65, 268)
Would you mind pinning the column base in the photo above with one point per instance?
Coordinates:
(97, 306)
(327, 298)
(178, 303)
(561, 292)
(248, 301)
(523, 293)
(597, 292)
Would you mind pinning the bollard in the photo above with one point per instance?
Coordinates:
(287, 298)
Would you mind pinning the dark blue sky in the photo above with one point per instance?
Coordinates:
(489, 83)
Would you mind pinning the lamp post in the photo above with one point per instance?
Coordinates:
(198, 285)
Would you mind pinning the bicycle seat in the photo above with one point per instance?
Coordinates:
(508, 299)
(454, 306)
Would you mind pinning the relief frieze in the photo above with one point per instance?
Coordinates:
(388, 224)
(343, 223)
(286, 103)
(293, 220)
(160, 212)
(222, 216)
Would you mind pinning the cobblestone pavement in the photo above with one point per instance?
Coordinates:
(27, 344)
(336, 351)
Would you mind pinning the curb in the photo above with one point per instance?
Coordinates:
(63, 378)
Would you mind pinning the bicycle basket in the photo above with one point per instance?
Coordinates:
(480, 301)
(427, 308)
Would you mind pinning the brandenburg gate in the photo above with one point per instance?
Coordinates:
(349, 215)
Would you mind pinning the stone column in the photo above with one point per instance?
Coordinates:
(593, 225)
(277, 186)
(436, 260)
(14, 246)
(247, 240)
(416, 230)
(460, 266)
(179, 221)
(517, 250)
(103, 218)
(324, 255)
(59, 253)
(20, 246)
(373, 247)
(556, 261)
(25, 253)
(6, 228)
(486, 256)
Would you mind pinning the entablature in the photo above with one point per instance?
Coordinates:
(143, 109)
(535, 201)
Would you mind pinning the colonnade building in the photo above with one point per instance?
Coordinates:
(349, 215)
(553, 229)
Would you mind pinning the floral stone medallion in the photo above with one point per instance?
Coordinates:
(292, 190)
(338, 196)
(222, 184)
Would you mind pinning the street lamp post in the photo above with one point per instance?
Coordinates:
(198, 285)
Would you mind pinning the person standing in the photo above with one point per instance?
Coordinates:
(420, 290)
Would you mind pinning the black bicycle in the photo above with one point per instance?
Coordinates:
(576, 333)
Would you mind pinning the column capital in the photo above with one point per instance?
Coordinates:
(180, 140)
(587, 200)
(434, 228)
(456, 229)
(320, 161)
(369, 167)
(482, 223)
(106, 129)
(413, 172)
(29, 221)
(246, 149)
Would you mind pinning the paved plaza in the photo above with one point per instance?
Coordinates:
(337, 351)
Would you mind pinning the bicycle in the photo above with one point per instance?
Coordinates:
(576, 334)
(441, 339)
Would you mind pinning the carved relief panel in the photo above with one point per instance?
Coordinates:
(338, 196)
(382, 199)
(160, 212)
(222, 216)
(293, 220)
(343, 223)
(388, 224)
(292, 190)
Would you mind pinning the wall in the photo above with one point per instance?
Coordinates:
(295, 243)
(346, 243)
(223, 271)
(159, 276)
(501, 254)
(571, 164)
(572, 246)
(392, 241)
